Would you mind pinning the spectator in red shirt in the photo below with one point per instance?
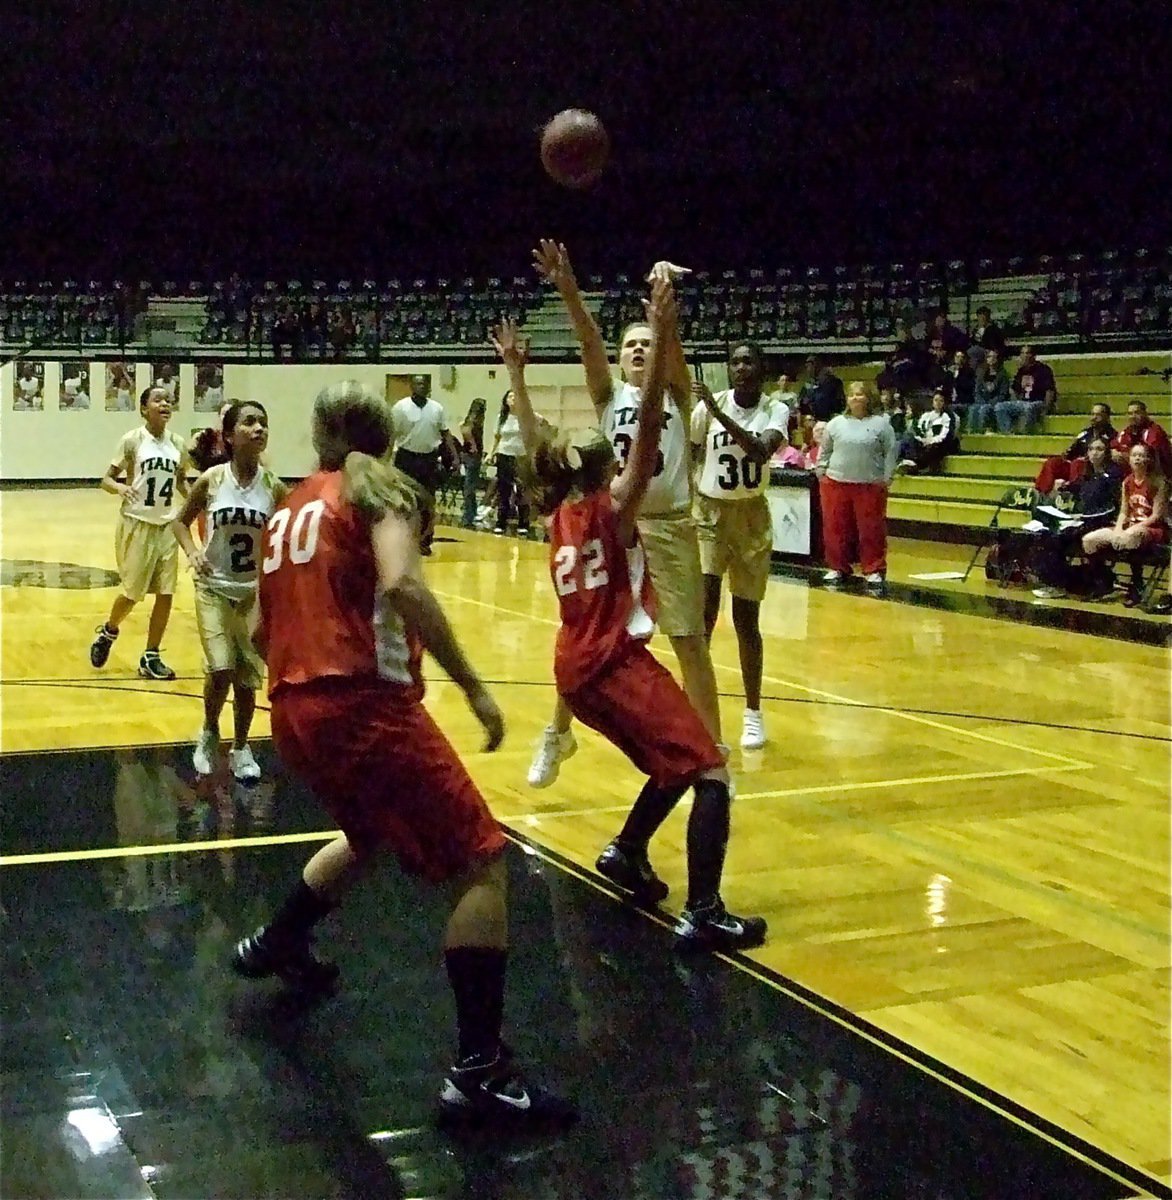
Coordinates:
(1062, 469)
(1141, 428)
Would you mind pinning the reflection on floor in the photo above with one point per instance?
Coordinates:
(136, 1066)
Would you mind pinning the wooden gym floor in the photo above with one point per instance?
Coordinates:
(958, 831)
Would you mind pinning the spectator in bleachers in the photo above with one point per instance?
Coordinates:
(950, 336)
(472, 457)
(936, 435)
(855, 466)
(822, 395)
(992, 389)
(1068, 467)
(1035, 392)
(937, 377)
(986, 336)
(962, 383)
(897, 410)
(1142, 520)
(1141, 429)
(1096, 494)
(909, 360)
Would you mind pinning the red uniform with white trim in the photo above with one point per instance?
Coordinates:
(603, 668)
(346, 687)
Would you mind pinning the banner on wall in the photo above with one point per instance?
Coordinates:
(120, 387)
(74, 390)
(28, 386)
(209, 386)
(166, 376)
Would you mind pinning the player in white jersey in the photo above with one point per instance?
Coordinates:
(154, 463)
(736, 434)
(238, 497)
(666, 526)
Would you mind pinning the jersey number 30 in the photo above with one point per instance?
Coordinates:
(302, 540)
(594, 573)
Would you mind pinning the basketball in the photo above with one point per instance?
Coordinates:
(574, 148)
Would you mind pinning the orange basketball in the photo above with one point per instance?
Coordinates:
(574, 148)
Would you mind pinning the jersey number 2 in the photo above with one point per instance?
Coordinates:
(594, 573)
(302, 541)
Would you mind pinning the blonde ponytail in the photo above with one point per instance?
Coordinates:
(376, 488)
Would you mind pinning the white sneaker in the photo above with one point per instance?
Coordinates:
(752, 730)
(203, 757)
(875, 579)
(553, 750)
(832, 577)
(244, 766)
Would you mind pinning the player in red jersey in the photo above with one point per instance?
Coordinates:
(603, 668)
(344, 618)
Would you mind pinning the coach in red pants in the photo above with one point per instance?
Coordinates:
(856, 464)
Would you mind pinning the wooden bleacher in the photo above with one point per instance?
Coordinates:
(964, 496)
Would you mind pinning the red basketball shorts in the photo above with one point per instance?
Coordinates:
(637, 705)
(386, 773)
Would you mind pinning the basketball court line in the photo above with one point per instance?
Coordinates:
(847, 701)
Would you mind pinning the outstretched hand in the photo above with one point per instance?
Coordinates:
(702, 392)
(667, 270)
(508, 341)
(552, 261)
(661, 307)
(489, 715)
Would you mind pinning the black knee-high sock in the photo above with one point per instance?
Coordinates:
(300, 912)
(650, 810)
(477, 978)
(708, 828)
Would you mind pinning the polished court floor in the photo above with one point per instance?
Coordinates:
(958, 831)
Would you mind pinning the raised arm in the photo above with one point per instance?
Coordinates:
(759, 448)
(629, 488)
(514, 352)
(553, 264)
(677, 376)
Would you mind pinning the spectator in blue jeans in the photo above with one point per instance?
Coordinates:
(991, 389)
(1034, 394)
(472, 458)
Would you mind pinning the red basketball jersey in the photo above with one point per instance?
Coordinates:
(603, 588)
(319, 598)
(1139, 500)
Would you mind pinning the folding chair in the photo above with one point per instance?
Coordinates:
(1023, 497)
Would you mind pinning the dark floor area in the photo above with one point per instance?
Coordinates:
(135, 1065)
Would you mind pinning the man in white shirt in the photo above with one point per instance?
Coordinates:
(421, 433)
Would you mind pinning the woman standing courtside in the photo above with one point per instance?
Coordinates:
(856, 465)
(472, 458)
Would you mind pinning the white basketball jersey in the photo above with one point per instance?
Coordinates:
(236, 519)
(728, 472)
(671, 488)
(152, 468)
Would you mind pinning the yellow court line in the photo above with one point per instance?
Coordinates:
(960, 777)
(249, 843)
(531, 818)
(1071, 763)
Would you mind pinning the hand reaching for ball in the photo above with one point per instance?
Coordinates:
(552, 261)
(510, 344)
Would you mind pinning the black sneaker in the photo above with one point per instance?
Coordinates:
(714, 928)
(632, 872)
(255, 957)
(100, 649)
(476, 1092)
(151, 666)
